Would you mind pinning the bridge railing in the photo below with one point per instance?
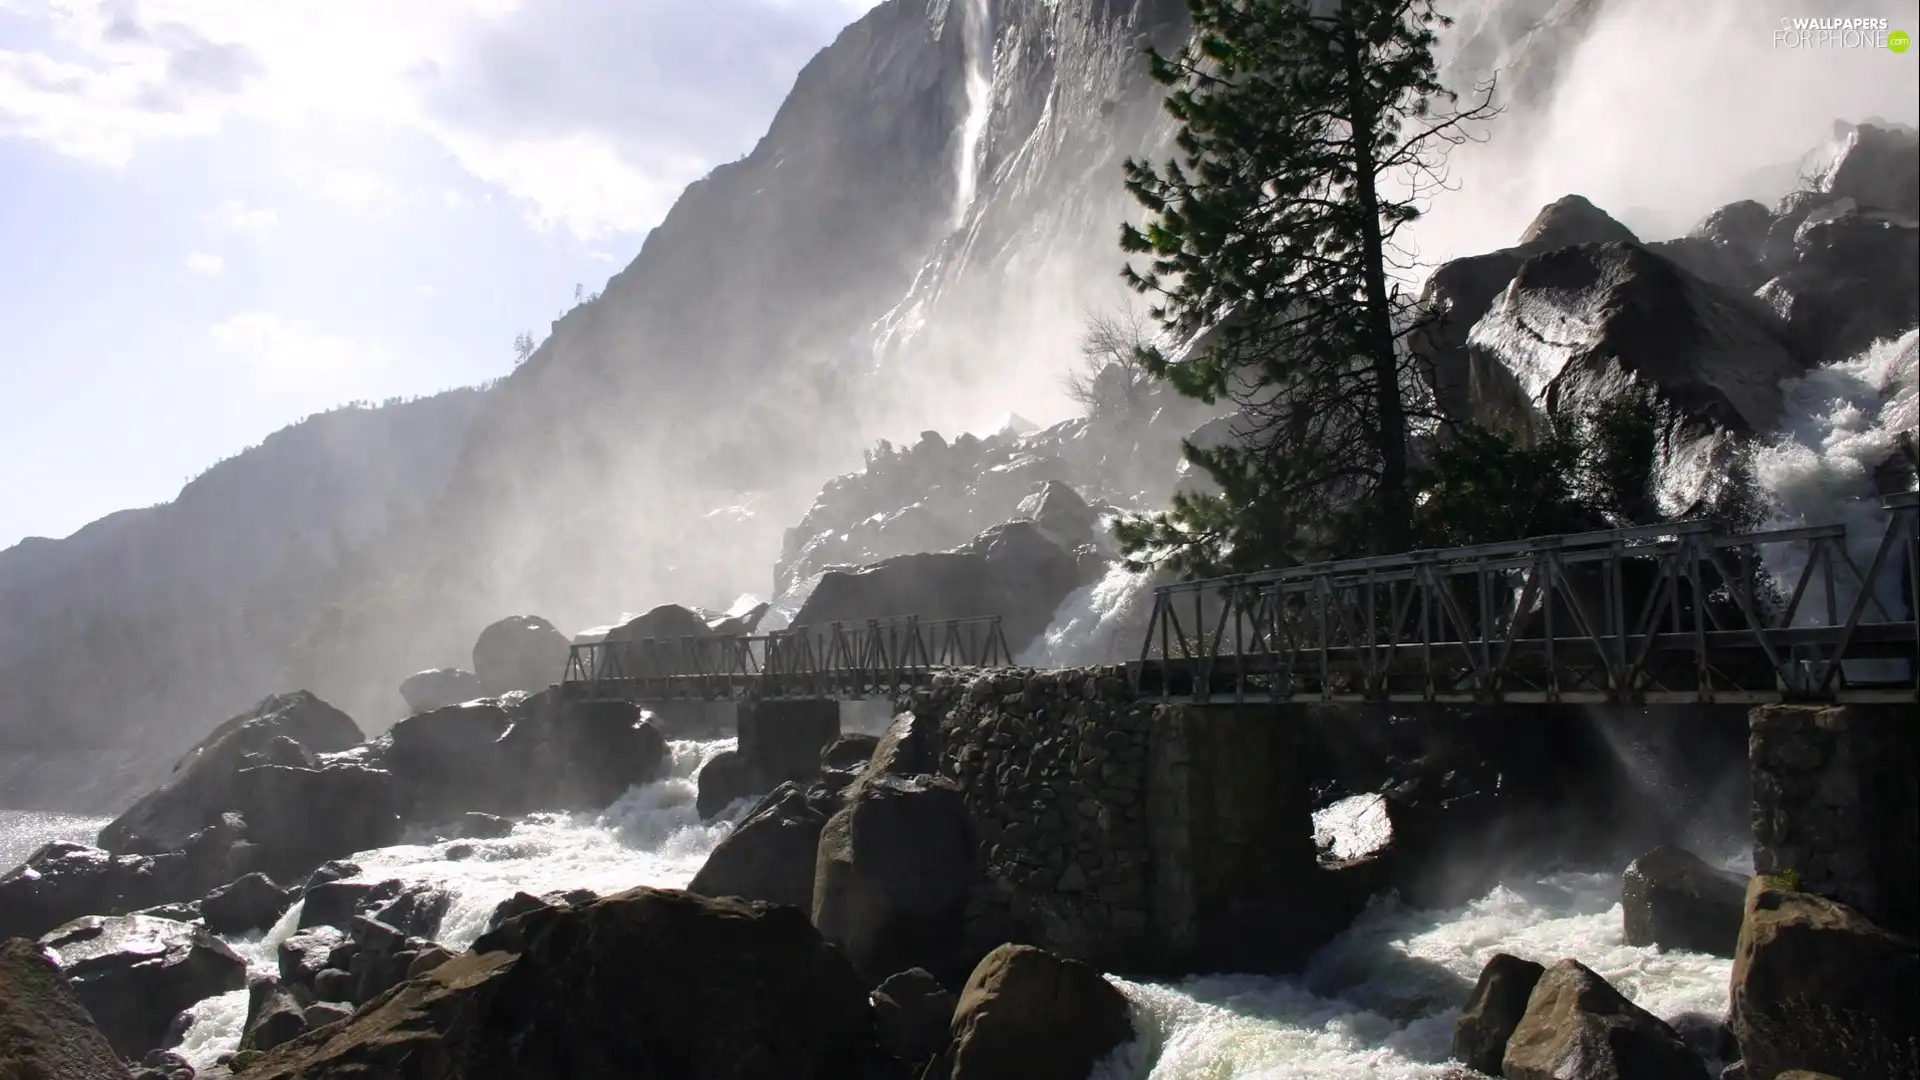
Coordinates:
(838, 660)
(1676, 612)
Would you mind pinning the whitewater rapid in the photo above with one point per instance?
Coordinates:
(1378, 1002)
(651, 836)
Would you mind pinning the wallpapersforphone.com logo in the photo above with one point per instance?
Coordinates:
(1853, 34)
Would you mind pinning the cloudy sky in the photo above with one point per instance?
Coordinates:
(218, 216)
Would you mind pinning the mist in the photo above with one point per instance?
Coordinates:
(917, 244)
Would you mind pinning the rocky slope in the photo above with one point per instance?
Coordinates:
(143, 624)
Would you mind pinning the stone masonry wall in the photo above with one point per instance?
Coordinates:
(1835, 801)
(1054, 765)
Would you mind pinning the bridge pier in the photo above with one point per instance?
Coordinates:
(1230, 837)
(1836, 801)
(782, 739)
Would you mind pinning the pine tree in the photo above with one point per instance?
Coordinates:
(1310, 132)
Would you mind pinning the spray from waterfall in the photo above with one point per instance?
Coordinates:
(977, 24)
(1843, 423)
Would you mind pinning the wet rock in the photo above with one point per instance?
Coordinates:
(849, 754)
(520, 652)
(1574, 1015)
(1462, 291)
(1673, 899)
(321, 1013)
(786, 740)
(417, 911)
(274, 1015)
(1854, 278)
(334, 984)
(473, 826)
(426, 691)
(913, 1014)
(770, 855)
(62, 882)
(909, 746)
(449, 760)
(891, 874)
(301, 818)
(335, 903)
(202, 785)
(334, 870)
(427, 959)
(45, 1030)
(165, 1065)
(1818, 986)
(1027, 1014)
(303, 955)
(135, 973)
(253, 902)
(1874, 165)
(1061, 514)
(724, 779)
(1577, 325)
(1488, 1021)
(666, 984)
(521, 903)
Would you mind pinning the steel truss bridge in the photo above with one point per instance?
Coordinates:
(1664, 614)
(877, 658)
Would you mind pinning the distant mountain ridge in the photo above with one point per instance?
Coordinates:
(831, 286)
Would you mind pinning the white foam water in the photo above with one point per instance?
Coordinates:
(1379, 1002)
(1842, 423)
(651, 836)
(1101, 623)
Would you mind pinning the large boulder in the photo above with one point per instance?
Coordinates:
(644, 983)
(275, 1014)
(520, 652)
(1578, 1027)
(244, 905)
(425, 691)
(1817, 986)
(575, 755)
(726, 778)
(45, 1031)
(63, 881)
(1854, 278)
(913, 1014)
(135, 973)
(449, 761)
(770, 855)
(300, 818)
(891, 875)
(1462, 291)
(201, 787)
(1012, 570)
(1872, 164)
(1494, 1010)
(1673, 899)
(1027, 1014)
(1061, 513)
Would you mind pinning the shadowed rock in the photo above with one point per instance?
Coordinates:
(1817, 986)
(202, 785)
(1578, 1027)
(519, 652)
(891, 874)
(1488, 1021)
(425, 691)
(770, 855)
(1027, 1014)
(45, 1031)
(1671, 898)
(644, 983)
(135, 973)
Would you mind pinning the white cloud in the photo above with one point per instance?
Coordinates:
(426, 290)
(208, 265)
(281, 354)
(595, 113)
(359, 190)
(236, 216)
